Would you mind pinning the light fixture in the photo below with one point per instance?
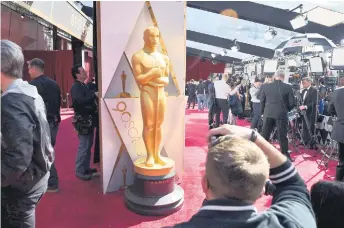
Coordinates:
(270, 34)
(22, 16)
(235, 47)
(299, 21)
(223, 52)
(213, 55)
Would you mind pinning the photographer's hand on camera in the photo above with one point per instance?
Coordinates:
(275, 157)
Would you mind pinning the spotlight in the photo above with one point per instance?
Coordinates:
(22, 16)
(270, 34)
(235, 47)
(213, 55)
(299, 21)
(223, 52)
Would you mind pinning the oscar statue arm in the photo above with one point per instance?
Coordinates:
(165, 78)
(143, 78)
(162, 80)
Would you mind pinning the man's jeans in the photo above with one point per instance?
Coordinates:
(53, 179)
(201, 101)
(256, 120)
(18, 208)
(206, 101)
(83, 157)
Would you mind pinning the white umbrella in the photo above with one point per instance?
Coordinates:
(298, 44)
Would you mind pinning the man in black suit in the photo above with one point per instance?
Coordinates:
(309, 105)
(192, 94)
(51, 94)
(277, 100)
(336, 108)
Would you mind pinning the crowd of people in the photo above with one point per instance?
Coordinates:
(232, 158)
(240, 165)
(30, 118)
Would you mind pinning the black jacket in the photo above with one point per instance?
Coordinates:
(84, 100)
(200, 88)
(192, 90)
(51, 94)
(291, 207)
(311, 103)
(26, 151)
(277, 99)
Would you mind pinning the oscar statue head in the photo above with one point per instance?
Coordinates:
(151, 37)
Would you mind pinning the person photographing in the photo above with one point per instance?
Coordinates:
(238, 164)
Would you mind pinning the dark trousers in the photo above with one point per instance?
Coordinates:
(83, 157)
(257, 113)
(340, 167)
(282, 129)
(221, 105)
(96, 155)
(305, 134)
(53, 179)
(18, 208)
(192, 99)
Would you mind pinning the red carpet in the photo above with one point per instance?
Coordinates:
(82, 204)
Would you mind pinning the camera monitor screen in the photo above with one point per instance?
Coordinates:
(316, 65)
(270, 66)
(337, 60)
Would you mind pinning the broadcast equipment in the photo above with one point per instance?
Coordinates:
(316, 66)
(337, 60)
(293, 115)
(331, 81)
(270, 66)
(331, 148)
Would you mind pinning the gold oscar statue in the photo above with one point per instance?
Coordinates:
(151, 71)
(123, 94)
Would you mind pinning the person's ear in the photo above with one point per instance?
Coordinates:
(205, 186)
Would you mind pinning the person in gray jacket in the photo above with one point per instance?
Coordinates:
(26, 151)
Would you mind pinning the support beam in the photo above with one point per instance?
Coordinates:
(207, 55)
(224, 43)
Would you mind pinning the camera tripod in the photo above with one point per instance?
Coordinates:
(331, 150)
(313, 141)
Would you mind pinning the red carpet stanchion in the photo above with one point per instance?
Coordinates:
(82, 204)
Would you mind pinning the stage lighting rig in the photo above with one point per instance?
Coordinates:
(270, 34)
(234, 46)
(223, 52)
(299, 21)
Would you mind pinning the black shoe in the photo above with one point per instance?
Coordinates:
(93, 172)
(340, 173)
(53, 189)
(84, 177)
